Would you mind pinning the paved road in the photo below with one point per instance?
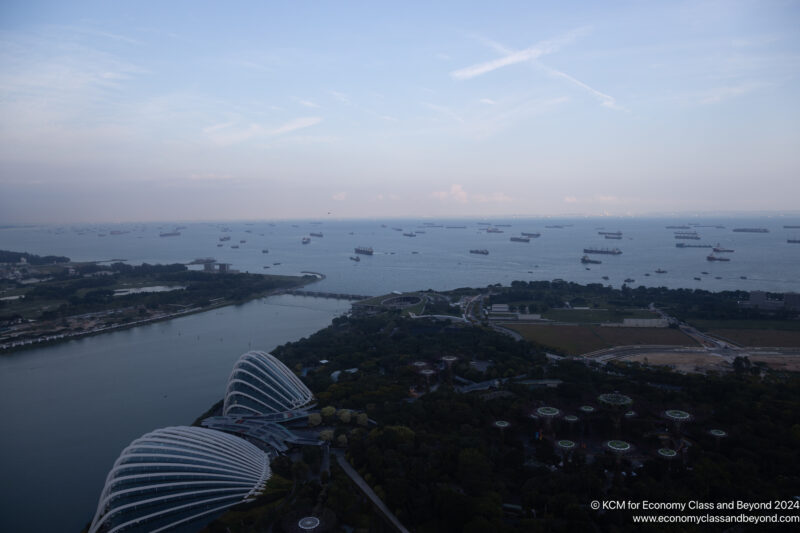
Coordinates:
(367, 490)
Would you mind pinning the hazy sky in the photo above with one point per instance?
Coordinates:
(118, 111)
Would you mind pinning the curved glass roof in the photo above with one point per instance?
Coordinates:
(260, 384)
(173, 476)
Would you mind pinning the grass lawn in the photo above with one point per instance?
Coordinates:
(760, 337)
(576, 340)
(590, 316)
(783, 325)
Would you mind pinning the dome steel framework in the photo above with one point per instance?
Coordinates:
(173, 476)
(260, 384)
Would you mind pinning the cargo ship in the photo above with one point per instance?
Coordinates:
(617, 237)
(720, 249)
(493, 230)
(613, 233)
(713, 257)
(686, 245)
(607, 251)
(316, 234)
(410, 234)
(364, 250)
(480, 252)
(793, 240)
(586, 260)
(532, 235)
(520, 239)
(751, 230)
(677, 227)
(785, 227)
(688, 236)
(169, 234)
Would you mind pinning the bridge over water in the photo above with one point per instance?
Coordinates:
(321, 294)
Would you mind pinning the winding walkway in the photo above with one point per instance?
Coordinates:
(367, 490)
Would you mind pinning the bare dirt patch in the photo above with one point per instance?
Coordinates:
(683, 362)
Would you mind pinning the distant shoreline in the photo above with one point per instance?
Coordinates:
(50, 340)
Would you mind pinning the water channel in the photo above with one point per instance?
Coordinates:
(69, 409)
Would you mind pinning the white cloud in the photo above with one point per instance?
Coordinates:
(512, 58)
(229, 133)
(296, 124)
(719, 94)
(458, 194)
(306, 103)
(446, 111)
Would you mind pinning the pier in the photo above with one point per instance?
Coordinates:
(320, 294)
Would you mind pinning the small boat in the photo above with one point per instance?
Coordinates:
(629, 280)
(275, 264)
(355, 258)
(742, 277)
(479, 252)
(520, 239)
(660, 271)
(264, 251)
(243, 241)
(235, 246)
(265, 266)
(605, 278)
(306, 240)
(219, 245)
(410, 234)
(698, 279)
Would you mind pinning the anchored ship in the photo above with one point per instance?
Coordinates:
(532, 235)
(685, 245)
(316, 234)
(751, 230)
(586, 260)
(713, 257)
(480, 252)
(607, 251)
(520, 239)
(364, 250)
(719, 248)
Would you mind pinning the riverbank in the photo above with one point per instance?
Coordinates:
(34, 333)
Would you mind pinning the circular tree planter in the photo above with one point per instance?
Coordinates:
(308, 523)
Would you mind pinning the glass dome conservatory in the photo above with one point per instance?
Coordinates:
(172, 477)
(260, 385)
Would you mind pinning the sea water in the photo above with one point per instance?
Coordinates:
(440, 259)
